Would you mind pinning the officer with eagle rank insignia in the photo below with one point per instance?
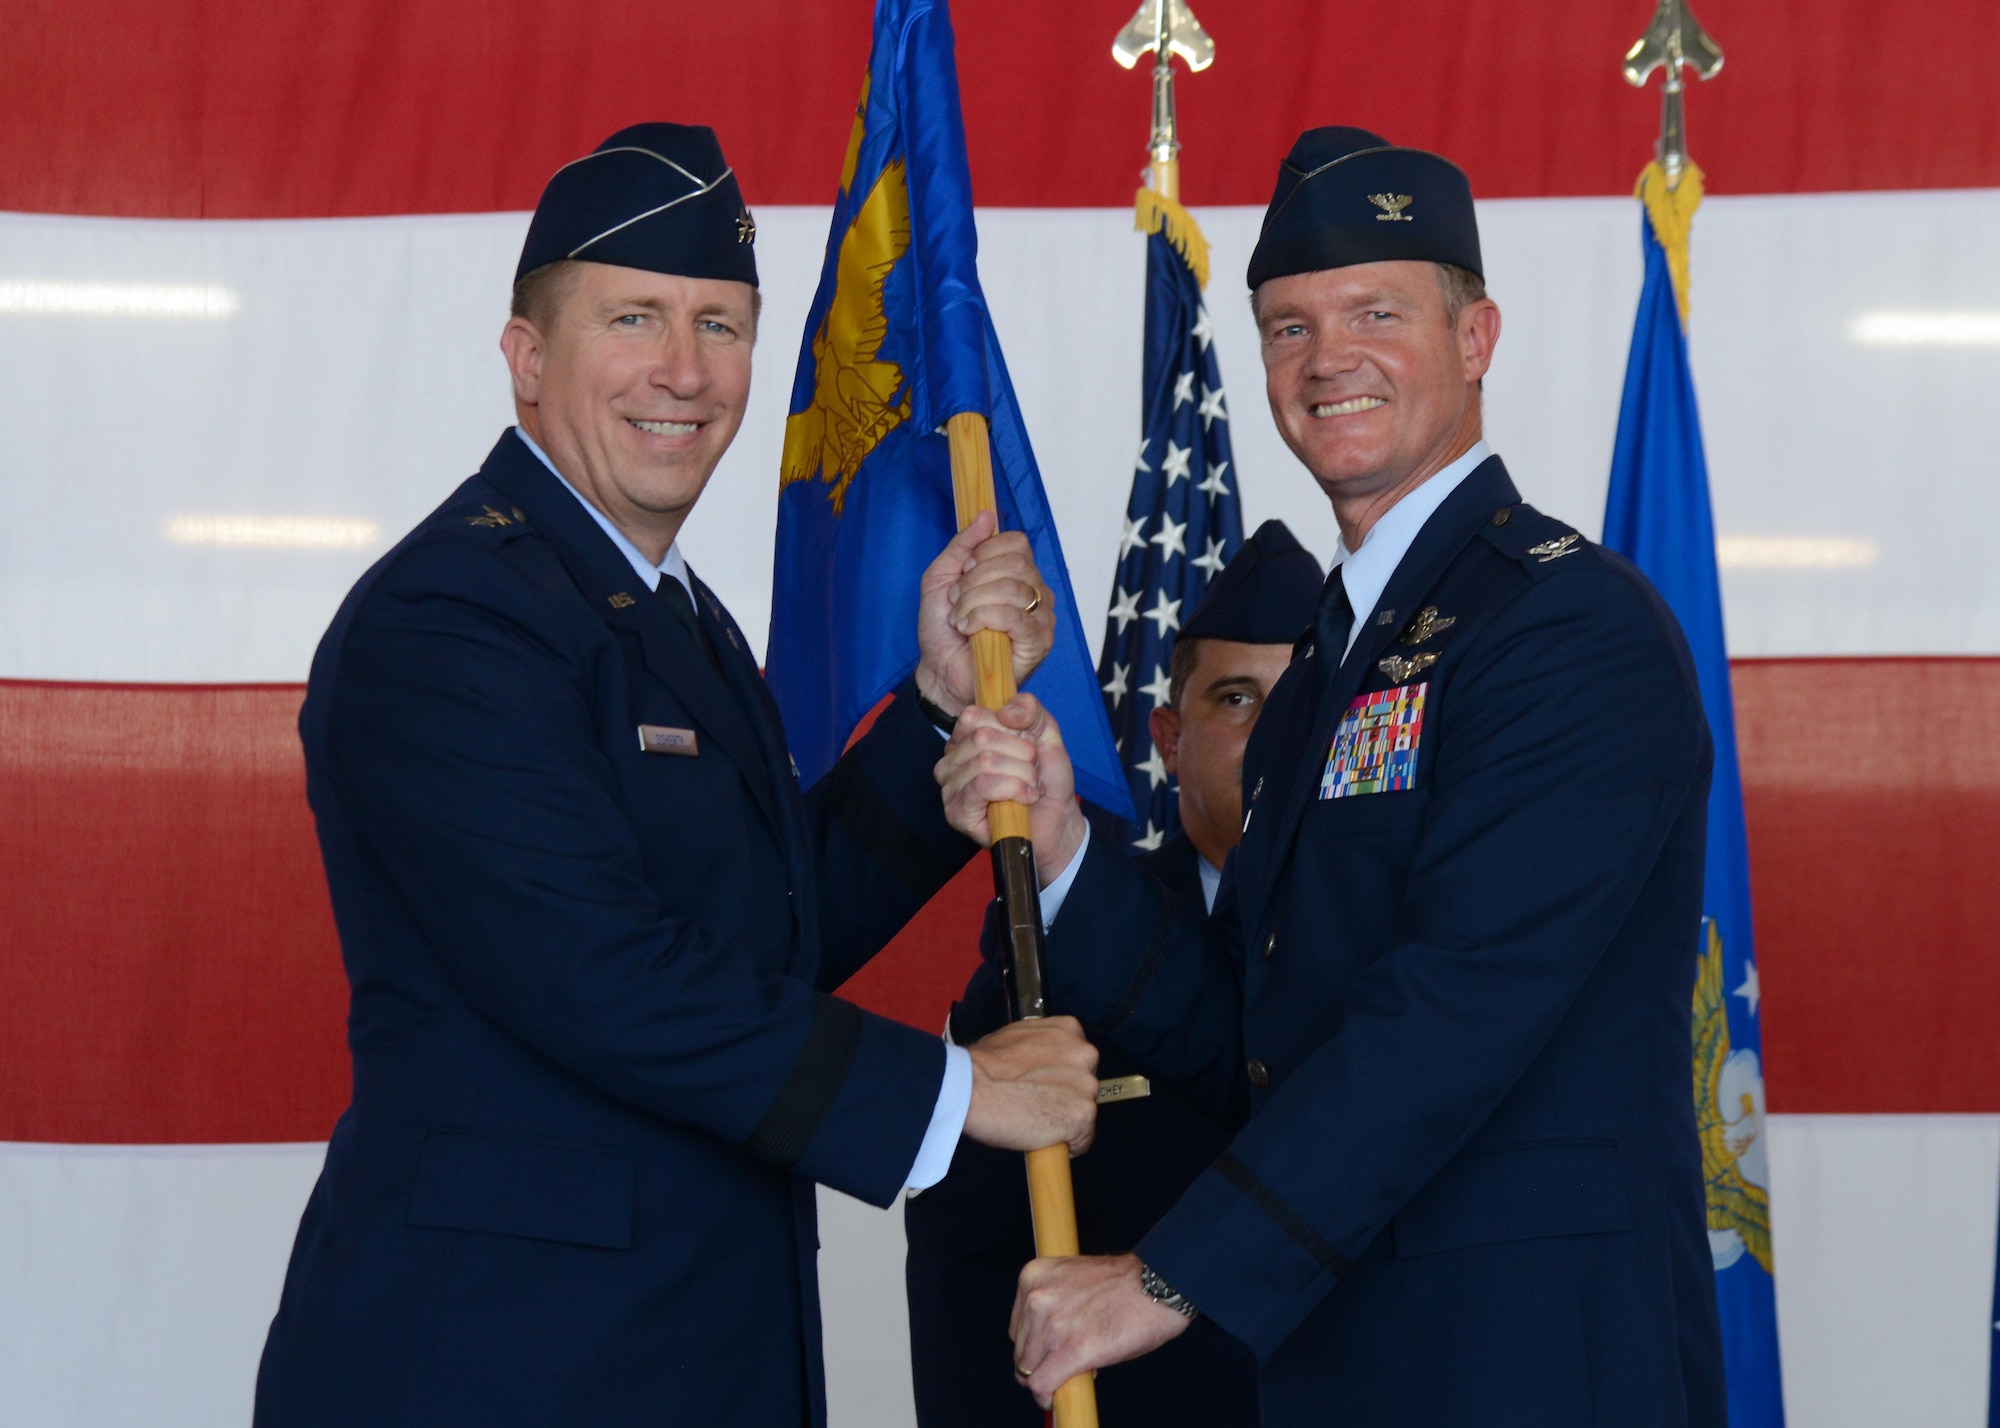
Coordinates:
(1461, 924)
(591, 921)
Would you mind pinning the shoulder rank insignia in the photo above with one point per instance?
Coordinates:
(491, 518)
(1427, 623)
(1401, 667)
(1555, 549)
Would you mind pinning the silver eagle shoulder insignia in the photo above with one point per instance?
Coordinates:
(1555, 549)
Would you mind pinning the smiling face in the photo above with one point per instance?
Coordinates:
(1373, 386)
(634, 383)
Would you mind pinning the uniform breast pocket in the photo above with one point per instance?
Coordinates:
(1372, 812)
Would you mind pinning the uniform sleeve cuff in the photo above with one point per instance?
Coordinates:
(1055, 892)
(954, 1102)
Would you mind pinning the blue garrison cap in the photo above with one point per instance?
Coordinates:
(1346, 196)
(654, 196)
(1266, 595)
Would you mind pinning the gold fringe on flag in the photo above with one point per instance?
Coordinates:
(1159, 214)
(1671, 208)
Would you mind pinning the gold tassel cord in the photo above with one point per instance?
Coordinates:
(1671, 208)
(1159, 214)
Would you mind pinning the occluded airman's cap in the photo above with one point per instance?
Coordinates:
(1266, 595)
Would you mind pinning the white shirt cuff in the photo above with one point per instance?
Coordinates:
(1055, 892)
(947, 1121)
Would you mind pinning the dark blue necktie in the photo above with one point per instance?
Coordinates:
(674, 596)
(1332, 622)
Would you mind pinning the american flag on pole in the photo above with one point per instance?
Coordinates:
(1183, 520)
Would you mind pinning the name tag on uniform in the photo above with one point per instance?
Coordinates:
(1375, 747)
(662, 739)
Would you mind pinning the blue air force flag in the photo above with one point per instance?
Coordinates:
(1183, 521)
(1658, 516)
(898, 340)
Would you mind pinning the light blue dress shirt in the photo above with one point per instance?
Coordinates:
(1366, 572)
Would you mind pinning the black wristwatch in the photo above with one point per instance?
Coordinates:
(1161, 1292)
(940, 721)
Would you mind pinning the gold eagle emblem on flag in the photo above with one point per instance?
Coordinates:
(858, 396)
(1737, 1207)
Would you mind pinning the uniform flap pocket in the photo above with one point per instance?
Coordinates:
(504, 1183)
(1517, 1192)
(1373, 812)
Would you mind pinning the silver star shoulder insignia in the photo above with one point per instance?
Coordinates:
(1555, 549)
(1392, 206)
(1427, 623)
(746, 227)
(491, 518)
(1401, 667)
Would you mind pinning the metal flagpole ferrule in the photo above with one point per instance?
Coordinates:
(1018, 886)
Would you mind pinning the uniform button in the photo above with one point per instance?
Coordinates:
(1270, 946)
(1502, 516)
(1260, 1075)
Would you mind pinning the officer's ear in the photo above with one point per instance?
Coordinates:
(523, 345)
(1164, 724)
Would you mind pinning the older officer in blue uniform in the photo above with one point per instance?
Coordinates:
(1458, 937)
(589, 918)
(970, 1235)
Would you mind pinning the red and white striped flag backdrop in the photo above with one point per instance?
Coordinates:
(253, 261)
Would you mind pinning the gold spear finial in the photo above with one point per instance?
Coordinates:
(1671, 186)
(1674, 40)
(1162, 29)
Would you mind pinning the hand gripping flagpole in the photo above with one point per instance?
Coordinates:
(1051, 1195)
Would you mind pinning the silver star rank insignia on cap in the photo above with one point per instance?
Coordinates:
(1392, 206)
(746, 227)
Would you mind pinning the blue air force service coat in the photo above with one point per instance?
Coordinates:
(1463, 923)
(596, 1070)
(971, 1233)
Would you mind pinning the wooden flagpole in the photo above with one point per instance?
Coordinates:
(1051, 1195)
